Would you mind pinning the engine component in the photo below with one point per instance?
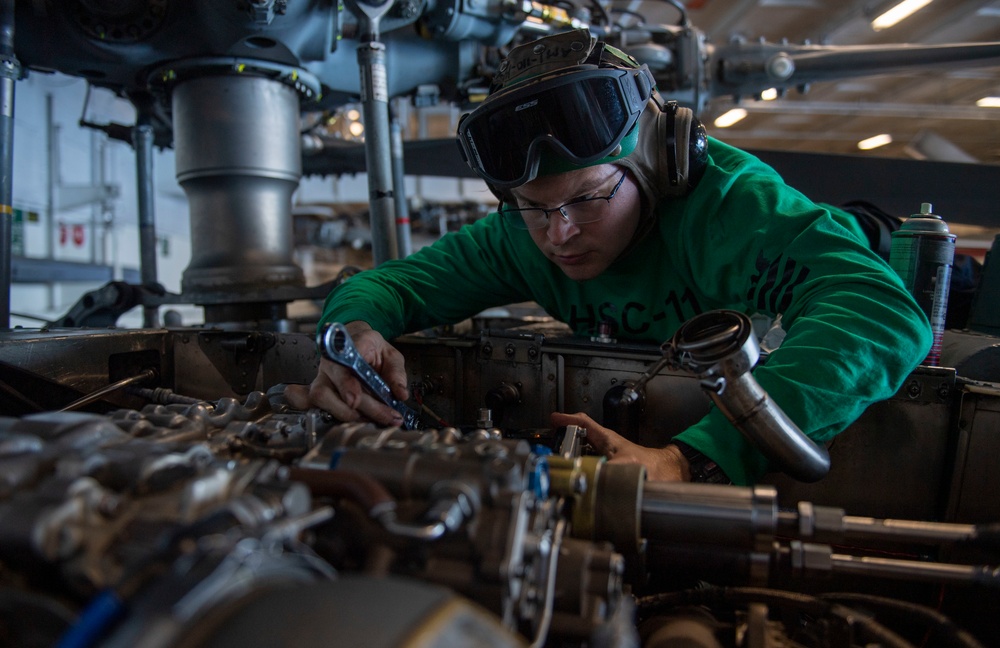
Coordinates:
(720, 348)
(114, 522)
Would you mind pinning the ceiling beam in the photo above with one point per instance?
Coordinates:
(866, 109)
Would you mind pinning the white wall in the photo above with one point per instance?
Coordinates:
(87, 234)
(117, 239)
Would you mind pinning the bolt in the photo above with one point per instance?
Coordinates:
(532, 352)
(913, 389)
(509, 350)
(487, 349)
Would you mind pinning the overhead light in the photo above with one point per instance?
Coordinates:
(989, 102)
(770, 94)
(899, 12)
(875, 142)
(356, 128)
(730, 117)
(353, 115)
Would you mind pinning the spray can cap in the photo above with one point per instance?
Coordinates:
(925, 222)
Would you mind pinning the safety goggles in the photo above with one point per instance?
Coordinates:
(582, 116)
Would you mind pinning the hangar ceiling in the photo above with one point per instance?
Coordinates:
(945, 147)
(929, 113)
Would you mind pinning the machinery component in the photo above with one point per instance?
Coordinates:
(147, 375)
(187, 517)
(624, 404)
(10, 71)
(923, 251)
(239, 173)
(103, 306)
(335, 344)
(720, 348)
(502, 398)
(378, 137)
(142, 140)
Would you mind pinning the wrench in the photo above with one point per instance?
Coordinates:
(335, 344)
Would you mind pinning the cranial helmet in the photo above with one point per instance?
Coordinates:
(568, 101)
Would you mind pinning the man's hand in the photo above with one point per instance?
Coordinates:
(336, 390)
(662, 464)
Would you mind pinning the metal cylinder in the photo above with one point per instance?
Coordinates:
(922, 253)
(142, 141)
(10, 70)
(378, 151)
(744, 518)
(403, 238)
(238, 160)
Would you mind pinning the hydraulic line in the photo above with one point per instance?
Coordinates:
(148, 374)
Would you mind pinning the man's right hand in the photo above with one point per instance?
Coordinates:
(336, 390)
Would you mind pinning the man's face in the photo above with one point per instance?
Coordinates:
(583, 251)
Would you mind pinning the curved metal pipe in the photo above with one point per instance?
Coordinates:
(720, 348)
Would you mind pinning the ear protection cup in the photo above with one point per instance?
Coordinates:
(684, 152)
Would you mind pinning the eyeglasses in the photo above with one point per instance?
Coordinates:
(578, 212)
(582, 116)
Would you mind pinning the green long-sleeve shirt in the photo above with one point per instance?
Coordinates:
(741, 240)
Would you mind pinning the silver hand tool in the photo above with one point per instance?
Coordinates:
(335, 344)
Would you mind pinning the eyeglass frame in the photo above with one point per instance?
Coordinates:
(524, 225)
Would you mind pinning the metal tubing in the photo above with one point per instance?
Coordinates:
(6, 191)
(405, 245)
(142, 141)
(9, 72)
(378, 151)
(720, 348)
(758, 417)
(710, 514)
(913, 570)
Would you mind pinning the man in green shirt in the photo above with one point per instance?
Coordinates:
(617, 209)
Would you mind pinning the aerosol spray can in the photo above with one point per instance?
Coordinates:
(922, 253)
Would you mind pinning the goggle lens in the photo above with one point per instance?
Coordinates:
(584, 119)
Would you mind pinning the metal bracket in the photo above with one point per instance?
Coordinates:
(236, 355)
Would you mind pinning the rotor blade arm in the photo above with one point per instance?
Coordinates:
(748, 69)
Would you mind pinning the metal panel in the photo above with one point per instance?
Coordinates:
(894, 461)
(974, 492)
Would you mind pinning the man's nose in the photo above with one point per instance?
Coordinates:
(561, 228)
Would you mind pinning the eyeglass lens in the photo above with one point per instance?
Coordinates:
(578, 212)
